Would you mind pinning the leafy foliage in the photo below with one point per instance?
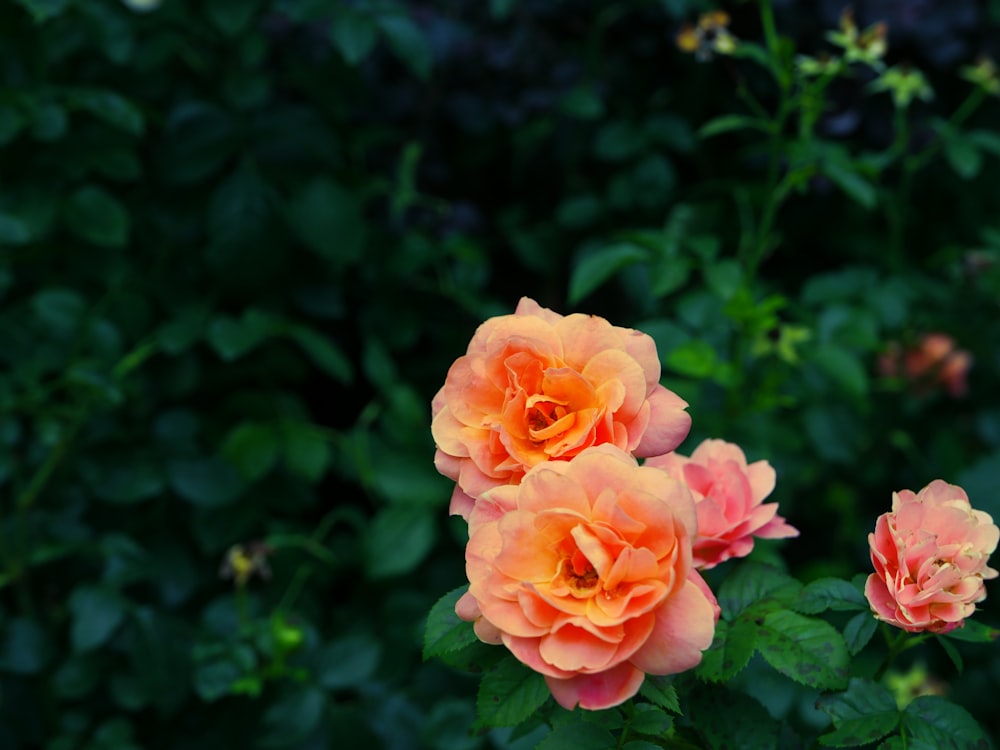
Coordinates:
(241, 244)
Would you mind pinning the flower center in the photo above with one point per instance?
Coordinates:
(541, 413)
(580, 573)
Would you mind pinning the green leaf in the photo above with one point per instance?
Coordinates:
(510, 693)
(619, 140)
(290, 719)
(859, 631)
(326, 355)
(577, 736)
(97, 612)
(727, 719)
(847, 178)
(943, 725)
(952, 652)
(197, 140)
(844, 368)
(43, 10)
(660, 691)
(59, 309)
(731, 649)
(862, 714)
(328, 218)
(252, 448)
(231, 17)
(95, 215)
(232, 338)
(398, 540)
(348, 661)
(753, 584)
(444, 631)
(595, 268)
(651, 720)
(407, 43)
(209, 482)
(25, 647)
(353, 34)
(724, 277)
(306, 450)
(131, 481)
(14, 230)
(111, 107)
(974, 632)
(692, 359)
(728, 123)
(217, 669)
(806, 649)
(963, 156)
(830, 593)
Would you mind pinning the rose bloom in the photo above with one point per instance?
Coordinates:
(729, 495)
(537, 386)
(584, 572)
(930, 555)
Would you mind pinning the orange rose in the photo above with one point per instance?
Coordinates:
(584, 572)
(537, 386)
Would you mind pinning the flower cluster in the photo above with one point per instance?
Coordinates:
(933, 361)
(581, 561)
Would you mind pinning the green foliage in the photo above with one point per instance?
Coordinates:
(242, 242)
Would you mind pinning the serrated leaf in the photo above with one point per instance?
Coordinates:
(974, 632)
(577, 736)
(111, 107)
(943, 725)
(863, 713)
(728, 719)
(306, 450)
(650, 720)
(596, 268)
(444, 631)
(808, 650)
(953, 654)
(509, 693)
(731, 650)
(753, 584)
(844, 368)
(210, 482)
(830, 593)
(859, 631)
(660, 691)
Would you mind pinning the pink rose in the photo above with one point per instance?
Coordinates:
(930, 555)
(536, 386)
(729, 497)
(584, 572)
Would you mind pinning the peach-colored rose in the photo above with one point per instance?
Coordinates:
(584, 572)
(930, 555)
(536, 386)
(729, 497)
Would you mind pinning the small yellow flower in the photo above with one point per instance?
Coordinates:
(904, 84)
(913, 684)
(708, 36)
(984, 73)
(242, 562)
(867, 47)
